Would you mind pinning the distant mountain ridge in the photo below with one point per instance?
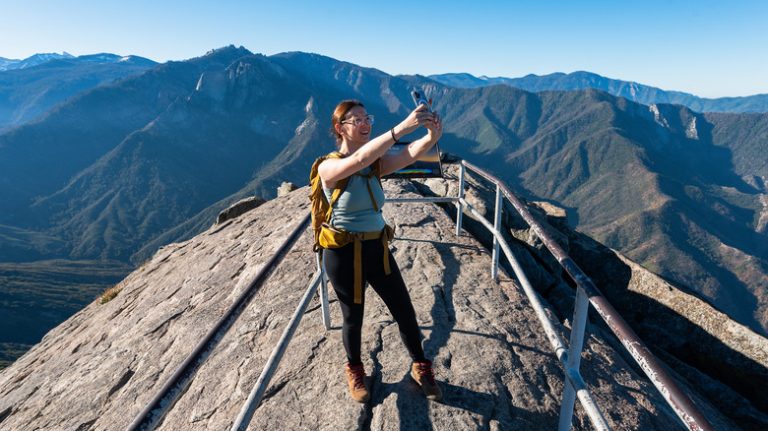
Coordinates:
(38, 59)
(31, 61)
(35, 85)
(633, 91)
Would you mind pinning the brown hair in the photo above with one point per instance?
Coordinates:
(338, 115)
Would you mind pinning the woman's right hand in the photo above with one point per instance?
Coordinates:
(418, 117)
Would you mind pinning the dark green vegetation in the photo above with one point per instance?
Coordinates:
(10, 351)
(629, 90)
(124, 168)
(746, 136)
(36, 296)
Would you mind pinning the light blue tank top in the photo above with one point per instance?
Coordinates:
(353, 211)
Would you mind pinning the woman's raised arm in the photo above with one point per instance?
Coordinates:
(415, 149)
(333, 170)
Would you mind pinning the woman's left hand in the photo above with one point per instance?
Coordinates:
(434, 128)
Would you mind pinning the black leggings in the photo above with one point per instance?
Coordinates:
(391, 288)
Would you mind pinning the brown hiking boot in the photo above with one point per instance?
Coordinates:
(356, 381)
(422, 373)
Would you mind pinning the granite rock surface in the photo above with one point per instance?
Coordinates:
(98, 369)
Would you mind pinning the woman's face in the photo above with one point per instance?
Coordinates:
(355, 127)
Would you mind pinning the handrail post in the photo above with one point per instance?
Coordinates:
(578, 327)
(497, 228)
(459, 205)
(326, 314)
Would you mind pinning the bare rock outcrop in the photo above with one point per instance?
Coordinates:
(285, 188)
(239, 208)
(98, 369)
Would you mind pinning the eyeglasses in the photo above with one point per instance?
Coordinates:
(368, 119)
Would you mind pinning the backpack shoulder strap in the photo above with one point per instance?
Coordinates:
(314, 177)
(341, 185)
(377, 168)
(375, 172)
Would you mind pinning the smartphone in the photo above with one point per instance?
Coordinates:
(428, 165)
(420, 99)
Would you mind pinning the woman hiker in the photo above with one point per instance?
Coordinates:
(363, 253)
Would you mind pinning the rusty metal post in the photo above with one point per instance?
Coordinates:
(326, 313)
(459, 206)
(497, 228)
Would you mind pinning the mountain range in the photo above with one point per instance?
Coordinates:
(633, 91)
(31, 61)
(33, 86)
(106, 177)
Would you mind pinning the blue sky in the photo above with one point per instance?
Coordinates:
(708, 48)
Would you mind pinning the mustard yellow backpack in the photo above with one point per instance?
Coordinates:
(322, 209)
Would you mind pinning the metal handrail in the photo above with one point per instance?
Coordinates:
(150, 416)
(573, 379)
(257, 393)
(586, 293)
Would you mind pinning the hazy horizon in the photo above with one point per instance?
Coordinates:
(706, 48)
